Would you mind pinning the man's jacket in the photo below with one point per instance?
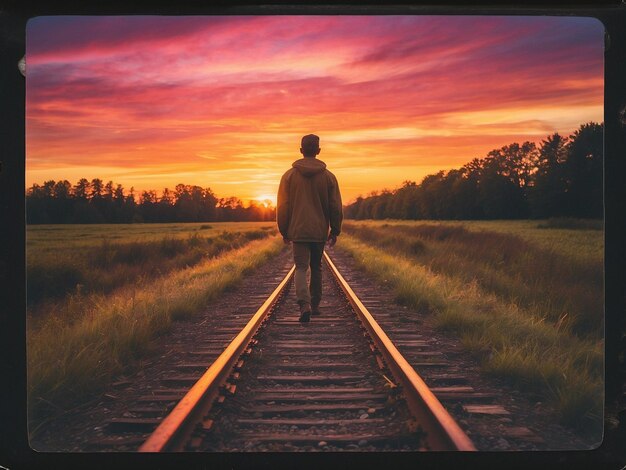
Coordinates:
(308, 202)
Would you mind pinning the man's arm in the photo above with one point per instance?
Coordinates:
(335, 210)
(282, 206)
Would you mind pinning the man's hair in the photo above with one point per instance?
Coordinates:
(310, 144)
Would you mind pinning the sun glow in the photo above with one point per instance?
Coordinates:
(152, 102)
(266, 200)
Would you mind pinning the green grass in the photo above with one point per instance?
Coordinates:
(549, 284)
(70, 356)
(64, 259)
(468, 276)
(581, 245)
(50, 238)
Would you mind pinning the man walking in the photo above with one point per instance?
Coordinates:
(308, 204)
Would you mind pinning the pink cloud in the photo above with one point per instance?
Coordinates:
(145, 90)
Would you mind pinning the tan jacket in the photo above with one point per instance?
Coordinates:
(308, 202)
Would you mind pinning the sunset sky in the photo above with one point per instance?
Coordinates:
(222, 102)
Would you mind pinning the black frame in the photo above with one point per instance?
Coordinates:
(15, 452)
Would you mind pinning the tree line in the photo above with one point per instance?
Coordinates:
(86, 202)
(562, 177)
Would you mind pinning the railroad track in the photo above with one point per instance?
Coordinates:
(336, 383)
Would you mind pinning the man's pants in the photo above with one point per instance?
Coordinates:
(305, 255)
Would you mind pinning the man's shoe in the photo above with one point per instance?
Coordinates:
(305, 312)
(315, 309)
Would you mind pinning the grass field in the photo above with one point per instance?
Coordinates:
(65, 259)
(97, 306)
(525, 297)
(45, 238)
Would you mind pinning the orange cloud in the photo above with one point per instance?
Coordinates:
(221, 102)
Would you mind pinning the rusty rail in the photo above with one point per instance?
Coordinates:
(176, 428)
(442, 432)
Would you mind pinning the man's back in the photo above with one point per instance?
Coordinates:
(309, 202)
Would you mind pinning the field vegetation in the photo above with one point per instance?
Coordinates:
(80, 338)
(525, 297)
(66, 259)
(527, 301)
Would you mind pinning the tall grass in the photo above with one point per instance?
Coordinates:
(583, 245)
(68, 360)
(536, 356)
(105, 265)
(550, 286)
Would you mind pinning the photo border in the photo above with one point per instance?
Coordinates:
(14, 449)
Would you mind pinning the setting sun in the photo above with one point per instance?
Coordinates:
(266, 200)
(222, 102)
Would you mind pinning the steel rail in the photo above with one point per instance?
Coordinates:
(175, 429)
(442, 431)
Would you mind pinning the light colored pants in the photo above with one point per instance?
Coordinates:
(308, 255)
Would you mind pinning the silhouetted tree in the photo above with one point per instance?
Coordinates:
(380, 205)
(60, 208)
(583, 172)
(546, 196)
(96, 188)
(223, 208)
(81, 190)
(562, 177)
(148, 206)
(166, 207)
